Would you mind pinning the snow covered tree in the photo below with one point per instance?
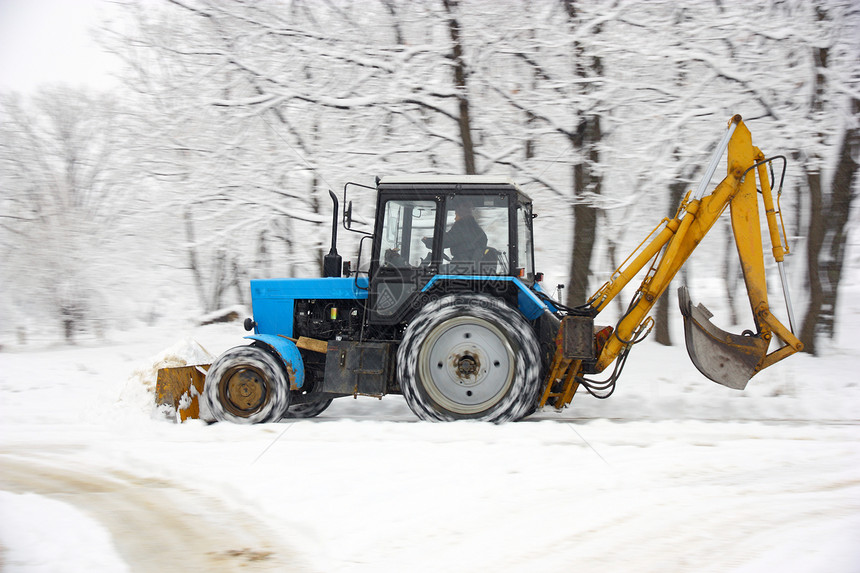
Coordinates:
(830, 169)
(606, 109)
(724, 59)
(233, 162)
(64, 198)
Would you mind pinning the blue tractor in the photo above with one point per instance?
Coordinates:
(448, 314)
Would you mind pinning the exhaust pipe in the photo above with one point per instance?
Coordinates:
(332, 262)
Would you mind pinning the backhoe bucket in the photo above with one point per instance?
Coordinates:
(179, 388)
(727, 359)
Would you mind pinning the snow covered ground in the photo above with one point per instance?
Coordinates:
(672, 473)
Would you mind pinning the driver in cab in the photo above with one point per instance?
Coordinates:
(465, 238)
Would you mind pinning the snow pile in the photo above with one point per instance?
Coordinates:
(139, 390)
(186, 352)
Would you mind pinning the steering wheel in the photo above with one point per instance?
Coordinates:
(394, 258)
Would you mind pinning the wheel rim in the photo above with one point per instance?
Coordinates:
(466, 365)
(243, 391)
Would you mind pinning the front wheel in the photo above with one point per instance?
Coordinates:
(247, 385)
(469, 357)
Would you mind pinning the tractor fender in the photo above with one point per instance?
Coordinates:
(286, 350)
(529, 304)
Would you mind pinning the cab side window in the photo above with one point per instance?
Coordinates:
(405, 223)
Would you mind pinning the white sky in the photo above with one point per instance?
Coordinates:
(50, 41)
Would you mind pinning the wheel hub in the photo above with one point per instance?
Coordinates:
(466, 364)
(245, 391)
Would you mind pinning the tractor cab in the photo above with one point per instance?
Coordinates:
(431, 232)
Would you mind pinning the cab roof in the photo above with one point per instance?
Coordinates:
(449, 182)
(465, 179)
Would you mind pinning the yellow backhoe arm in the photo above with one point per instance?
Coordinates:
(725, 358)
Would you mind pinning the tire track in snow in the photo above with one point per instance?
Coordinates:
(156, 525)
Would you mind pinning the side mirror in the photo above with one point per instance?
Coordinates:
(347, 216)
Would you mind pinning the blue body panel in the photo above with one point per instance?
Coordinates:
(289, 354)
(273, 303)
(273, 300)
(529, 304)
(549, 305)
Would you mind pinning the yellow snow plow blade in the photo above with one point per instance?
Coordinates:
(179, 388)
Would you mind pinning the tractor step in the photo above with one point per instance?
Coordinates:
(560, 385)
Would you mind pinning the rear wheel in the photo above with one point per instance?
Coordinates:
(246, 385)
(469, 357)
(309, 409)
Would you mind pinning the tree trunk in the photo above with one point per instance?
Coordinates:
(827, 236)
(841, 197)
(464, 122)
(828, 215)
(814, 242)
(661, 312)
(731, 274)
(585, 181)
(193, 265)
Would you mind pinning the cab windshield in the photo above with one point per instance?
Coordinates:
(475, 240)
(476, 235)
